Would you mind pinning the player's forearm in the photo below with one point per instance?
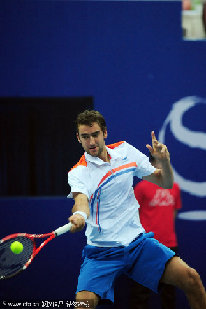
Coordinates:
(80, 212)
(81, 204)
(166, 175)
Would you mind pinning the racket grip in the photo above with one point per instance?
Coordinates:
(63, 229)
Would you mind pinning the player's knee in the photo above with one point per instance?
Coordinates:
(86, 299)
(192, 280)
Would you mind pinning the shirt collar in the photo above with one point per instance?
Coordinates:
(113, 154)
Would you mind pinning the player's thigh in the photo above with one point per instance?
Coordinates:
(177, 273)
(87, 296)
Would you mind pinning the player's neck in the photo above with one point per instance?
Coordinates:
(104, 156)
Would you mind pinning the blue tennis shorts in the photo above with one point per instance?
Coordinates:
(143, 260)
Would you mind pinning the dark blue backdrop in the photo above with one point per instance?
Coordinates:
(131, 58)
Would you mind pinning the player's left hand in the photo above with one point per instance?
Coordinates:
(158, 150)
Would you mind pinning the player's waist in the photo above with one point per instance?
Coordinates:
(109, 252)
(110, 238)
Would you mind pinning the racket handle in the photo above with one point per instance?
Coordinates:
(63, 229)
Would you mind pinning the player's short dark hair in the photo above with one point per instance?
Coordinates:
(88, 117)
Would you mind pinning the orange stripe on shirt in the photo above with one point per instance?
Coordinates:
(112, 146)
(105, 177)
(117, 169)
(82, 162)
(132, 164)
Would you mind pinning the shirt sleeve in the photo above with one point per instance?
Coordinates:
(144, 167)
(77, 184)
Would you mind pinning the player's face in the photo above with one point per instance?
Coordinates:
(92, 139)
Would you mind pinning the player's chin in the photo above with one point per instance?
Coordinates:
(94, 152)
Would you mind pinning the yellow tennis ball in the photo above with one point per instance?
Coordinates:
(16, 247)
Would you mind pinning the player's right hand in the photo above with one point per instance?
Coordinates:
(78, 223)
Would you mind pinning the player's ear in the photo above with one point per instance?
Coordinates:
(77, 135)
(105, 134)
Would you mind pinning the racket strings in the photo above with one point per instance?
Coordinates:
(11, 263)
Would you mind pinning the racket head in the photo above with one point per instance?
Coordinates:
(10, 263)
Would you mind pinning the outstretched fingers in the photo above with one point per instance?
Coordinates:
(154, 146)
(157, 150)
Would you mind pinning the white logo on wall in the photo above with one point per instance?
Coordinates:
(190, 138)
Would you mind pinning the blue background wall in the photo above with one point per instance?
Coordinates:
(131, 58)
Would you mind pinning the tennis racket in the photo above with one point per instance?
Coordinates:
(12, 264)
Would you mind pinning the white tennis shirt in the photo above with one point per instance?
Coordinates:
(114, 216)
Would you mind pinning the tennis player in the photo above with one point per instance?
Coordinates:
(101, 185)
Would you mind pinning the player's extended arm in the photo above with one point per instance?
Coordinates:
(163, 175)
(81, 205)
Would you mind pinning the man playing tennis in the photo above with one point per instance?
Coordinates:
(101, 185)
